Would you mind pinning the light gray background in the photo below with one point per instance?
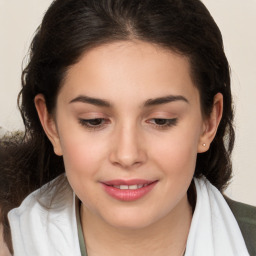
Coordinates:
(237, 21)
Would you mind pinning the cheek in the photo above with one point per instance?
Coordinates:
(83, 155)
(177, 161)
(83, 160)
(177, 153)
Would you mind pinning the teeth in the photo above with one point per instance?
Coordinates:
(132, 187)
(124, 187)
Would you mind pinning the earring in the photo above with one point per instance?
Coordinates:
(204, 144)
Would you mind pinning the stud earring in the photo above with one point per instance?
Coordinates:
(204, 144)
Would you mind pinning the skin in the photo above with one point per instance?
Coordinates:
(130, 144)
(3, 247)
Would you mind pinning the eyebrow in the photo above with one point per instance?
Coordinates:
(148, 103)
(164, 100)
(90, 100)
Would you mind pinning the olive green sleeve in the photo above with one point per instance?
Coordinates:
(246, 218)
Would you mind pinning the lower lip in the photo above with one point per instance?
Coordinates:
(128, 194)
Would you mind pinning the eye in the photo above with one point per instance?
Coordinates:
(95, 123)
(163, 123)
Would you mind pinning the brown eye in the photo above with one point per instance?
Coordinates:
(163, 123)
(95, 123)
(159, 121)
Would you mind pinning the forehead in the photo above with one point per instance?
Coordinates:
(129, 69)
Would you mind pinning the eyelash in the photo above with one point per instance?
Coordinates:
(168, 122)
(87, 123)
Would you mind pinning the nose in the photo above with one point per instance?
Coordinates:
(127, 148)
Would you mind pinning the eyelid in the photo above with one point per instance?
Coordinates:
(170, 122)
(86, 123)
(101, 123)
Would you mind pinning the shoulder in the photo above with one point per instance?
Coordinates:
(43, 207)
(52, 196)
(44, 215)
(246, 218)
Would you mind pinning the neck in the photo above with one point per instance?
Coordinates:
(167, 236)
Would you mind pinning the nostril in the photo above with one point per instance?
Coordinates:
(127, 152)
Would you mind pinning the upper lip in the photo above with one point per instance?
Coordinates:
(127, 182)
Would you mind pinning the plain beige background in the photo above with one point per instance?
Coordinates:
(237, 21)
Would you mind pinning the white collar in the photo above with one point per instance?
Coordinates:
(39, 231)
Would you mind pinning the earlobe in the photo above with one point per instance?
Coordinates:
(48, 123)
(211, 124)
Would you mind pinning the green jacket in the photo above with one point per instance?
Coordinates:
(246, 218)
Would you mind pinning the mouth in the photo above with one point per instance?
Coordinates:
(128, 190)
(132, 187)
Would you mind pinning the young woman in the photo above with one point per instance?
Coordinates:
(128, 117)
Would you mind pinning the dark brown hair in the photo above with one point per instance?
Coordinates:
(72, 27)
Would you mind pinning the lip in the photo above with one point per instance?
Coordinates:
(128, 194)
(127, 182)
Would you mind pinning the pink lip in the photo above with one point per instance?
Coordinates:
(128, 194)
(127, 182)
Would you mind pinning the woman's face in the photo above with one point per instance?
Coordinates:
(127, 116)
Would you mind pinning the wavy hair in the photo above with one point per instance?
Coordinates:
(72, 27)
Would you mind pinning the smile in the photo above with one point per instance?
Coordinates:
(131, 186)
(128, 190)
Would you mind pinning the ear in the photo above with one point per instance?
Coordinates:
(48, 123)
(211, 124)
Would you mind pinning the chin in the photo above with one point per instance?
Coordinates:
(130, 221)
